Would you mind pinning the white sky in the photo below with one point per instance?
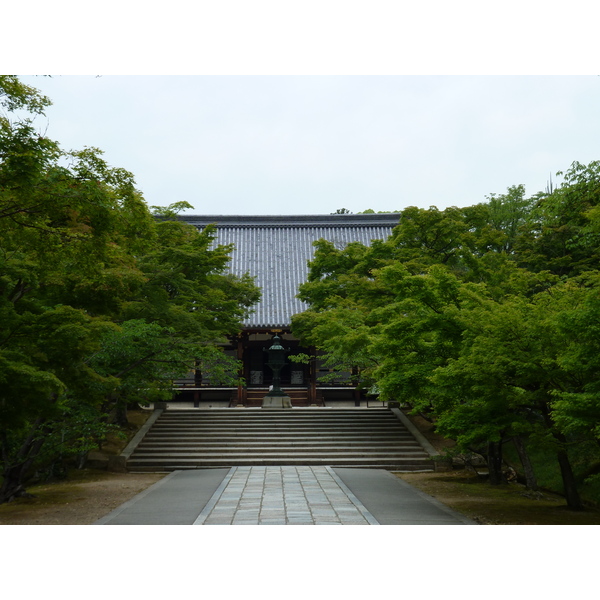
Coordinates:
(313, 144)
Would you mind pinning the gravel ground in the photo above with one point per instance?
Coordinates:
(79, 502)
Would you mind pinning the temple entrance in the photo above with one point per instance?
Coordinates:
(302, 382)
(260, 375)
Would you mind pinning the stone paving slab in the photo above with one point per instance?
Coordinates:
(284, 496)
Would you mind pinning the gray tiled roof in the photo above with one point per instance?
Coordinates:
(275, 250)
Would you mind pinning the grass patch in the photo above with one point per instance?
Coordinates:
(509, 504)
(585, 461)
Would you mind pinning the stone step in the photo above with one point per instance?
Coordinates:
(253, 427)
(266, 415)
(282, 420)
(289, 439)
(234, 453)
(315, 409)
(398, 463)
(280, 431)
(280, 423)
(276, 412)
(270, 451)
(266, 418)
(292, 393)
(270, 443)
(273, 414)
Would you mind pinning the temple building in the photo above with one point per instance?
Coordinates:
(275, 250)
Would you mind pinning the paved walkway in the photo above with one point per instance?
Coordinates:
(282, 496)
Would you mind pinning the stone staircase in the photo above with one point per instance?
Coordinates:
(194, 439)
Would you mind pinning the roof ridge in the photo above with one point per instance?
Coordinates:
(293, 220)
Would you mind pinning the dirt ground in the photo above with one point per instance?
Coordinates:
(76, 502)
(87, 495)
(508, 504)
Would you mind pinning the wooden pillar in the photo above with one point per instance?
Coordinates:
(240, 356)
(355, 381)
(312, 376)
(197, 384)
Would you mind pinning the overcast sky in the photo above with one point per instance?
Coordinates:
(313, 144)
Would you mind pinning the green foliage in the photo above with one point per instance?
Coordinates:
(15, 95)
(487, 318)
(171, 211)
(562, 235)
(500, 219)
(102, 303)
(576, 407)
(420, 330)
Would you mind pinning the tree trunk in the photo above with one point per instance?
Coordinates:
(569, 484)
(16, 468)
(494, 460)
(121, 414)
(530, 479)
(13, 484)
(116, 408)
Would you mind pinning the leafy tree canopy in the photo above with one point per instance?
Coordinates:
(482, 318)
(102, 302)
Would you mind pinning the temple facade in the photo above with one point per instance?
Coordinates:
(275, 250)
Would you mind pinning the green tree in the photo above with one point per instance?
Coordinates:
(420, 331)
(496, 224)
(477, 318)
(424, 237)
(510, 372)
(99, 300)
(186, 285)
(42, 363)
(342, 290)
(15, 95)
(354, 292)
(561, 235)
(576, 407)
(56, 250)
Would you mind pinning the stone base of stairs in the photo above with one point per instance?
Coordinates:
(276, 402)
